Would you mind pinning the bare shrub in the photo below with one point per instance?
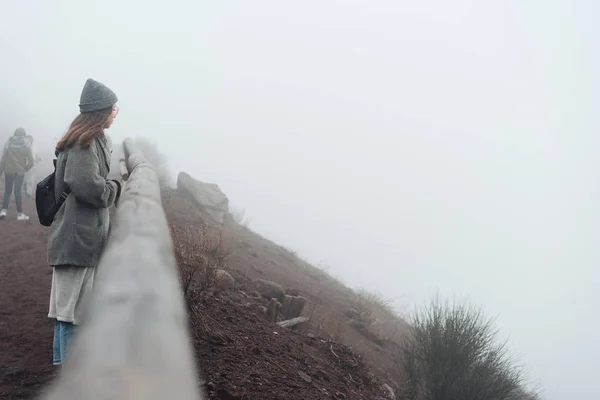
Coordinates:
(199, 255)
(368, 304)
(452, 353)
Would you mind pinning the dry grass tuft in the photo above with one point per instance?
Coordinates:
(199, 256)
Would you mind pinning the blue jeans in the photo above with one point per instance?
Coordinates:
(63, 335)
(11, 180)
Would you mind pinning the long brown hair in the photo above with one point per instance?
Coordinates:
(84, 128)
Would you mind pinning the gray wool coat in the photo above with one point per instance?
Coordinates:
(79, 231)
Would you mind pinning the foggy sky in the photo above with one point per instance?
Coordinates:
(413, 147)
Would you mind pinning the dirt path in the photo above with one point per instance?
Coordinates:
(25, 330)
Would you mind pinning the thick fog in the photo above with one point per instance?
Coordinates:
(413, 147)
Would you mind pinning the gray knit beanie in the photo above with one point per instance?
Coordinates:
(95, 96)
(20, 132)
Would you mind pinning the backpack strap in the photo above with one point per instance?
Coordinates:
(67, 191)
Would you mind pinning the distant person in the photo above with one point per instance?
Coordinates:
(16, 160)
(79, 231)
(29, 183)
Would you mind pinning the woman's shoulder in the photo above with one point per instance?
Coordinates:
(80, 148)
(98, 148)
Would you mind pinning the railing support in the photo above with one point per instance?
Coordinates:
(134, 344)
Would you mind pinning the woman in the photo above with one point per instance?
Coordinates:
(80, 229)
(15, 162)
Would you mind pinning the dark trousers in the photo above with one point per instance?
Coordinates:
(10, 181)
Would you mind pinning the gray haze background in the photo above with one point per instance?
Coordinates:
(414, 147)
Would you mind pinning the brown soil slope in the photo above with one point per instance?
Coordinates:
(328, 300)
(241, 354)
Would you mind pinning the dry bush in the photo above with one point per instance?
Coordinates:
(199, 256)
(367, 305)
(452, 353)
(374, 317)
(325, 323)
(375, 301)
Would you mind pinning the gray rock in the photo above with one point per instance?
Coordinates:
(274, 308)
(208, 197)
(292, 306)
(254, 295)
(389, 392)
(223, 279)
(294, 322)
(269, 289)
(304, 376)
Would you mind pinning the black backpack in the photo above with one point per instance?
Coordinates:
(46, 204)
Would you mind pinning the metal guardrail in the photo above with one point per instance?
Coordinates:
(134, 343)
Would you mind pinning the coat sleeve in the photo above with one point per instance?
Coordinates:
(82, 176)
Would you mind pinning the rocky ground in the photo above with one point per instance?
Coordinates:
(243, 356)
(241, 352)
